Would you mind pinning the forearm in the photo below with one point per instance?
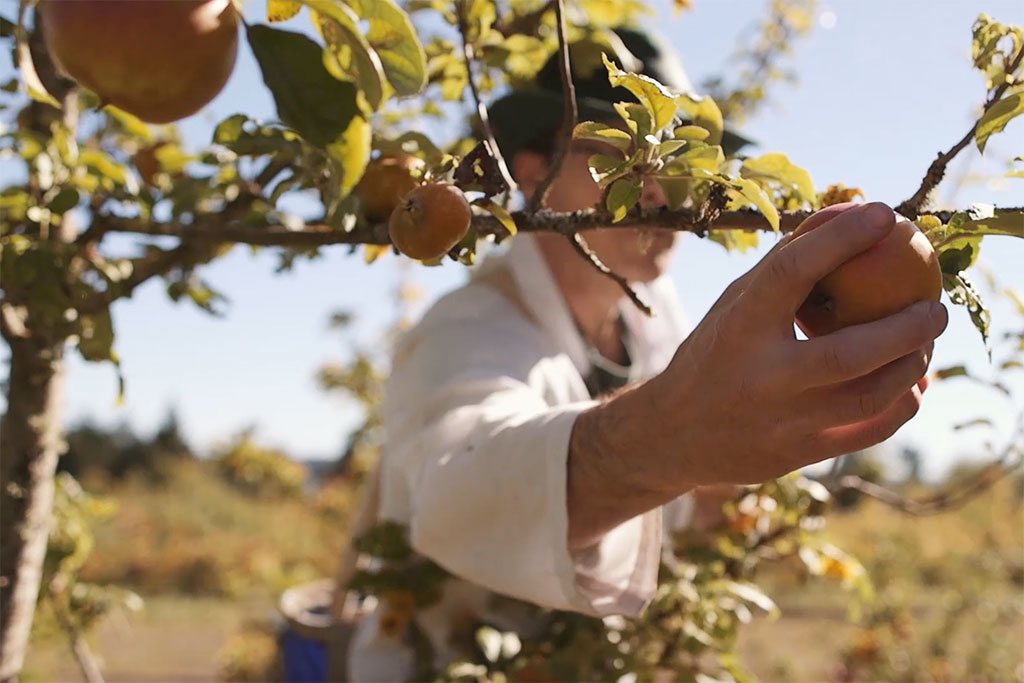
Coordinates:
(612, 472)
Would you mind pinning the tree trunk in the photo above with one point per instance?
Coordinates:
(30, 438)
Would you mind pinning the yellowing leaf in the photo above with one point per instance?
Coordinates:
(753, 193)
(395, 39)
(839, 194)
(599, 132)
(372, 252)
(655, 98)
(735, 240)
(499, 212)
(777, 167)
(282, 10)
(703, 112)
(347, 55)
(997, 116)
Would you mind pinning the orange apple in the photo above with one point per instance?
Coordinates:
(160, 60)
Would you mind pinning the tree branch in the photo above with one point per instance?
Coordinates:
(158, 262)
(569, 117)
(481, 110)
(953, 497)
(937, 170)
(216, 228)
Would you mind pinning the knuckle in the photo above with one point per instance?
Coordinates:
(833, 360)
(783, 268)
(867, 404)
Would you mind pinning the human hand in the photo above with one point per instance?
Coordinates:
(744, 401)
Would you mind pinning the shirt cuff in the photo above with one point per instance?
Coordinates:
(619, 574)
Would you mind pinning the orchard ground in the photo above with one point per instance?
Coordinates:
(209, 594)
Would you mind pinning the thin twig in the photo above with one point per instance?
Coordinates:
(569, 117)
(158, 262)
(937, 170)
(936, 503)
(952, 497)
(267, 175)
(481, 109)
(87, 662)
(584, 250)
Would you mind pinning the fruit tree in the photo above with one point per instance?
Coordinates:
(95, 74)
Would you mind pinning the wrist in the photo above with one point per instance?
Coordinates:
(618, 465)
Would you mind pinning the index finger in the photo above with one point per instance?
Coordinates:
(788, 275)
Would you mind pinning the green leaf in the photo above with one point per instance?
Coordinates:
(691, 133)
(395, 40)
(963, 293)
(386, 541)
(347, 55)
(958, 255)
(703, 112)
(623, 195)
(605, 169)
(230, 129)
(65, 200)
(676, 190)
(321, 108)
(132, 124)
(96, 344)
(778, 168)
(997, 116)
(952, 371)
(1007, 223)
(96, 337)
(707, 157)
(654, 97)
(637, 119)
(308, 98)
(672, 146)
(599, 132)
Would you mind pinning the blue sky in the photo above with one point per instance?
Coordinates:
(883, 86)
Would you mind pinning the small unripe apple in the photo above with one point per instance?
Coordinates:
(431, 220)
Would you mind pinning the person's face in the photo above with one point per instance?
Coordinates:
(626, 251)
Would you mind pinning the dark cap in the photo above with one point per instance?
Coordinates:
(533, 112)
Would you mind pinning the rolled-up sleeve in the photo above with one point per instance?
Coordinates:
(480, 460)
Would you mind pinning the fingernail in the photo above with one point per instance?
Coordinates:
(938, 315)
(878, 215)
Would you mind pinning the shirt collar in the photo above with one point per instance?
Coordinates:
(543, 299)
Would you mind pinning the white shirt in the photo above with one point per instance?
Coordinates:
(478, 411)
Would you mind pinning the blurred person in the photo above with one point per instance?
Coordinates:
(543, 437)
